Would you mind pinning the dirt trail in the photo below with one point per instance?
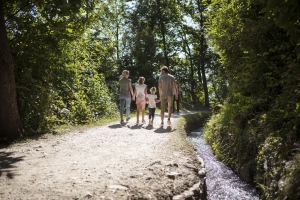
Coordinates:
(103, 162)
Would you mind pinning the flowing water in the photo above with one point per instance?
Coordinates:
(222, 182)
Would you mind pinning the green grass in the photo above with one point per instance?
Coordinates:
(185, 125)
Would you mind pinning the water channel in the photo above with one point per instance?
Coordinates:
(222, 182)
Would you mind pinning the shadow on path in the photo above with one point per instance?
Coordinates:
(7, 161)
(162, 129)
(149, 127)
(136, 126)
(115, 126)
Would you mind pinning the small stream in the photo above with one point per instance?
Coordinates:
(222, 182)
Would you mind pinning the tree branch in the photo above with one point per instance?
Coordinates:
(26, 4)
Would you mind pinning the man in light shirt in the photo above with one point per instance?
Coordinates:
(166, 87)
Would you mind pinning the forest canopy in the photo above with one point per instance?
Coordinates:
(67, 55)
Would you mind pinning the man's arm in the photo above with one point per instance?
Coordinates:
(160, 88)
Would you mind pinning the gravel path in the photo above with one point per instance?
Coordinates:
(103, 162)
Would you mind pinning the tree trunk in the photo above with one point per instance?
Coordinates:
(163, 32)
(204, 83)
(202, 57)
(10, 123)
(193, 85)
(192, 81)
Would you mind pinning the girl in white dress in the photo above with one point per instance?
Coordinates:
(141, 96)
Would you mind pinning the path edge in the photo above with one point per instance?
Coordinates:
(199, 190)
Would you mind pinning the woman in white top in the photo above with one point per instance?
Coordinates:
(152, 104)
(141, 96)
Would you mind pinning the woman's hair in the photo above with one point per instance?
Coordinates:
(124, 73)
(141, 80)
(153, 89)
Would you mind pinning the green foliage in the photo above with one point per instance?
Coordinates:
(270, 166)
(226, 132)
(194, 121)
(58, 67)
(292, 181)
(285, 14)
(258, 125)
(84, 96)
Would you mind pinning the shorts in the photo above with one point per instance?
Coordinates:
(141, 102)
(164, 100)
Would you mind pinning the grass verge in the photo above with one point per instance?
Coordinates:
(185, 125)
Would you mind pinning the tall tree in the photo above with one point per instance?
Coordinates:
(186, 41)
(162, 26)
(143, 53)
(10, 123)
(201, 6)
(196, 26)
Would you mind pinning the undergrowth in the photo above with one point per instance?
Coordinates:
(259, 145)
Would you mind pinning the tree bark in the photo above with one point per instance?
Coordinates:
(192, 82)
(163, 32)
(10, 123)
(202, 58)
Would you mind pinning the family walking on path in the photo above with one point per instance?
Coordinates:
(104, 162)
(101, 162)
(168, 92)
